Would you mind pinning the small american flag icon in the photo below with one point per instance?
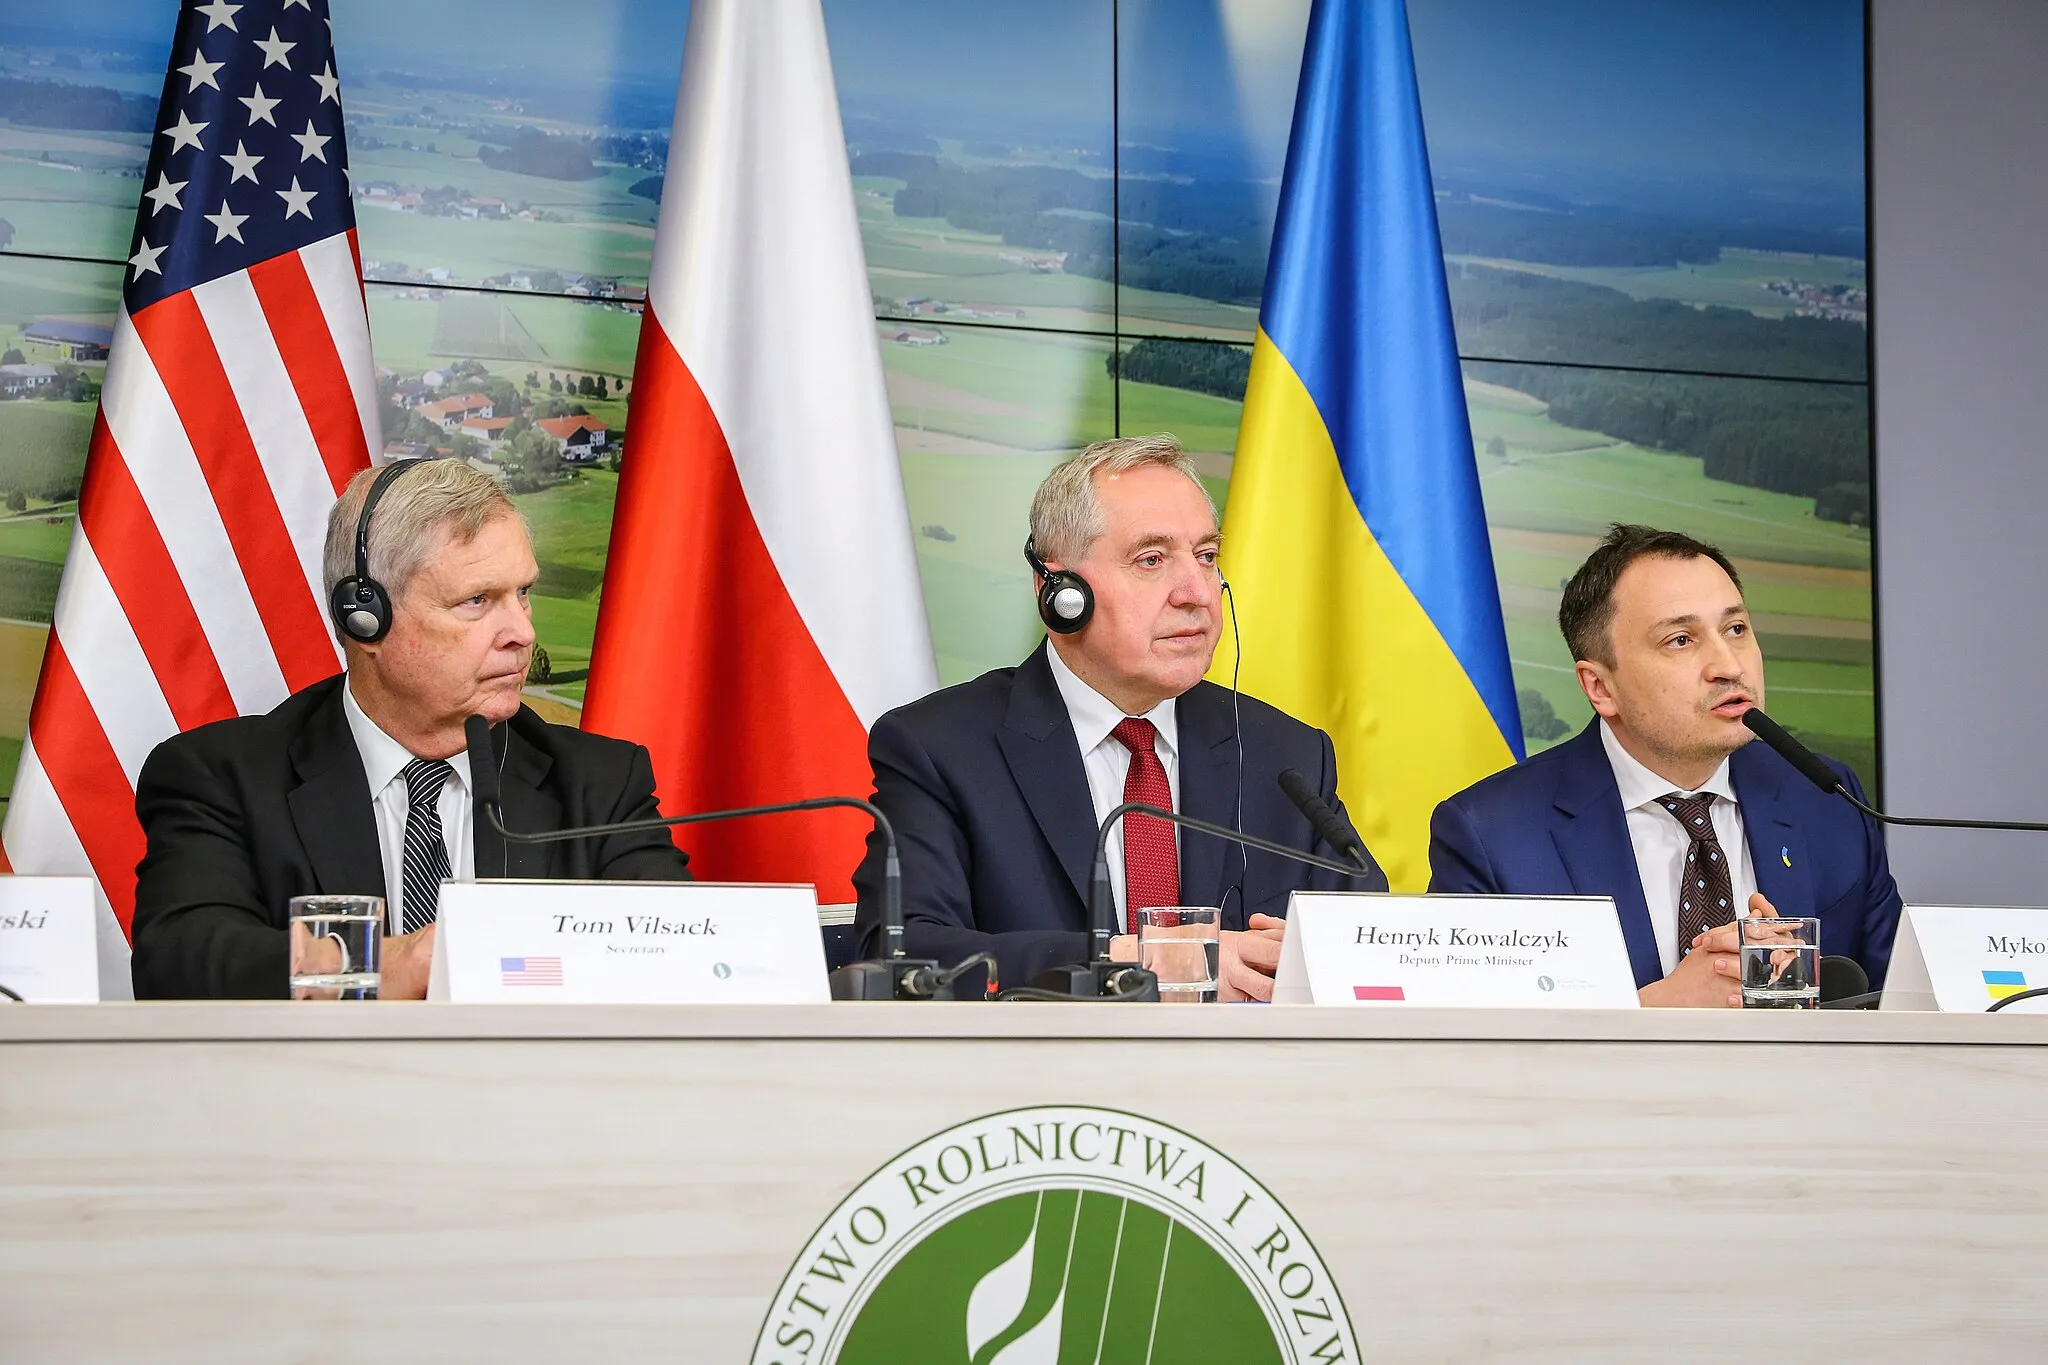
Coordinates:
(530, 971)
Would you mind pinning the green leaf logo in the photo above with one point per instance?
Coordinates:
(1061, 1235)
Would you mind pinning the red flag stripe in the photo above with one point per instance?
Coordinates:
(166, 470)
(178, 342)
(761, 719)
(299, 326)
(159, 609)
(87, 779)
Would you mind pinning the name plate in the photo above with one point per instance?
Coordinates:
(48, 945)
(1966, 958)
(1515, 952)
(641, 943)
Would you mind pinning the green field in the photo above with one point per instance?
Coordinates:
(979, 419)
(1737, 280)
(930, 258)
(31, 289)
(42, 444)
(86, 212)
(1553, 493)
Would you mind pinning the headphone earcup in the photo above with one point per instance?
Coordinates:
(360, 609)
(1065, 602)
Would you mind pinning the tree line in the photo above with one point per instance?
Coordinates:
(49, 104)
(1205, 241)
(535, 153)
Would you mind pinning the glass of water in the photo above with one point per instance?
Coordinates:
(1780, 962)
(334, 946)
(1181, 944)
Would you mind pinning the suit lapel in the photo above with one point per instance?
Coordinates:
(1777, 848)
(528, 808)
(1037, 740)
(1208, 791)
(330, 808)
(1593, 843)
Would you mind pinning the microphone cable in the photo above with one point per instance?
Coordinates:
(1121, 993)
(1244, 855)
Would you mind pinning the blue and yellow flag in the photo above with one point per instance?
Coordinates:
(1354, 537)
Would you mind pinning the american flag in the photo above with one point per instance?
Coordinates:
(240, 397)
(530, 971)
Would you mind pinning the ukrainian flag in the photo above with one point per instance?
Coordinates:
(1354, 534)
(1998, 985)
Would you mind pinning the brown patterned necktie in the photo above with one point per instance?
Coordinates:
(1706, 889)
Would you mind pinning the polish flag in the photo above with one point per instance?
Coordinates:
(761, 605)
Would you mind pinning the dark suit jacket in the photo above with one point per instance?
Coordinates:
(242, 815)
(1553, 826)
(997, 831)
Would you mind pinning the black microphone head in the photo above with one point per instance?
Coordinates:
(1791, 750)
(1842, 977)
(1296, 786)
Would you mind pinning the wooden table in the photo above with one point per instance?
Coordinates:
(271, 1182)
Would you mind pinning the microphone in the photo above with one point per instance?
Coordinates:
(896, 977)
(1333, 828)
(1817, 772)
(1844, 985)
(1099, 978)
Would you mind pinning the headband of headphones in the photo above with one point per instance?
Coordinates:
(386, 476)
(360, 606)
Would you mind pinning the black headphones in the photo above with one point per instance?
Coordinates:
(1065, 601)
(360, 606)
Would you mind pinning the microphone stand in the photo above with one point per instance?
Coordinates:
(1781, 740)
(1101, 979)
(893, 977)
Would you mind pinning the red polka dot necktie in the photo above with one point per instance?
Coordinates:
(1705, 886)
(1151, 862)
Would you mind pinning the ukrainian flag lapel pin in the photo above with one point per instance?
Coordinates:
(1786, 854)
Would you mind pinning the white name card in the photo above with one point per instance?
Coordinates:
(641, 943)
(48, 948)
(1966, 958)
(1526, 952)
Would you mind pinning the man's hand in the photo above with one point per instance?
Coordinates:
(1703, 977)
(1249, 959)
(404, 963)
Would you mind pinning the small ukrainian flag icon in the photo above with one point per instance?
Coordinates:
(1999, 985)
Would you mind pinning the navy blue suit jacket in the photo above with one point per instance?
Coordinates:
(1552, 825)
(997, 831)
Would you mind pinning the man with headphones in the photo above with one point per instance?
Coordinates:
(996, 786)
(360, 784)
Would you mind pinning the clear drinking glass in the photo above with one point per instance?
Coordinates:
(321, 925)
(1780, 962)
(1181, 944)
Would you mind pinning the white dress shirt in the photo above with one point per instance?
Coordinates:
(1107, 762)
(384, 764)
(1660, 841)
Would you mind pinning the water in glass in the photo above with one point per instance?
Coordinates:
(1180, 944)
(352, 924)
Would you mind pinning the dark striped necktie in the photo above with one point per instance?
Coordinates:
(426, 851)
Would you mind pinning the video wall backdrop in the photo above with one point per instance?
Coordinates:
(1653, 225)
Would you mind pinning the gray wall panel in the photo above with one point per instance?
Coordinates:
(1959, 253)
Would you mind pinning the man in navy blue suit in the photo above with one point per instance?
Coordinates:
(996, 786)
(1662, 802)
